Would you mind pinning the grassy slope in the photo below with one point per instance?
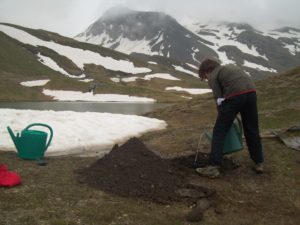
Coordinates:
(279, 101)
(17, 65)
(20, 60)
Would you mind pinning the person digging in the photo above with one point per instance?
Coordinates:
(234, 92)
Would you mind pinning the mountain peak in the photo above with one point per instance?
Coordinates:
(122, 14)
(117, 11)
(241, 26)
(287, 30)
(146, 32)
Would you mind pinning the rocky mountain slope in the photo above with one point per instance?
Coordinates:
(153, 33)
(150, 33)
(241, 44)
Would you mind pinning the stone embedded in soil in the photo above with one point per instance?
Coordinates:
(195, 215)
(203, 203)
(132, 170)
(191, 193)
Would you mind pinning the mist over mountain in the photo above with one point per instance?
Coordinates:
(151, 33)
(260, 53)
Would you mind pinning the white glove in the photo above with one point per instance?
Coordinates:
(219, 101)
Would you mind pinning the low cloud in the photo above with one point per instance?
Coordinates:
(70, 17)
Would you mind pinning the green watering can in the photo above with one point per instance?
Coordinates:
(31, 144)
(233, 140)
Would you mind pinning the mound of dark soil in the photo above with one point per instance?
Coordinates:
(132, 170)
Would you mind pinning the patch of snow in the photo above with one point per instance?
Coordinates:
(129, 79)
(194, 57)
(192, 91)
(238, 31)
(128, 46)
(87, 80)
(160, 75)
(187, 97)
(193, 66)
(293, 49)
(34, 83)
(195, 50)
(248, 73)
(116, 79)
(160, 38)
(47, 61)
(88, 96)
(75, 133)
(181, 69)
(155, 63)
(223, 57)
(259, 67)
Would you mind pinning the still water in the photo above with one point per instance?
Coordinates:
(111, 107)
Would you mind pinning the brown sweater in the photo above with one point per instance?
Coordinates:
(228, 81)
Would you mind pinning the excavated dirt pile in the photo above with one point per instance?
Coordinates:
(132, 170)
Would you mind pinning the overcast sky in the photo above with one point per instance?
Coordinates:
(70, 17)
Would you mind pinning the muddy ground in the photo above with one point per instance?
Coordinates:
(57, 194)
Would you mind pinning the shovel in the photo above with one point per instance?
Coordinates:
(195, 163)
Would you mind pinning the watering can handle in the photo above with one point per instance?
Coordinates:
(43, 125)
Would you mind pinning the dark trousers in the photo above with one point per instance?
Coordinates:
(244, 104)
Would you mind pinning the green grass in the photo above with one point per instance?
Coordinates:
(279, 100)
(15, 59)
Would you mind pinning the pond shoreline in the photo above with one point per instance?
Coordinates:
(132, 108)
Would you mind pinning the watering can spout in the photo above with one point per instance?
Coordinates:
(13, 137)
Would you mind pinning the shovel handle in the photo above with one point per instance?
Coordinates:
(43, 125)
